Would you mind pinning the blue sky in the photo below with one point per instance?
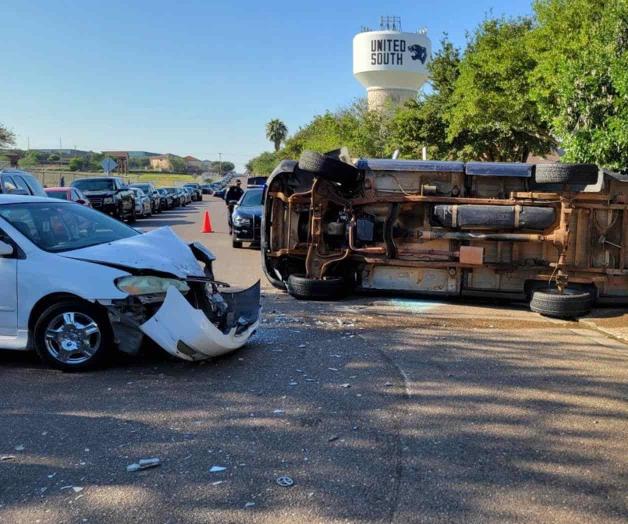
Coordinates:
(193, 77)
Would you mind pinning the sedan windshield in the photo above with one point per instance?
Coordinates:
(58, 226)
(252, 198)
(97, 184)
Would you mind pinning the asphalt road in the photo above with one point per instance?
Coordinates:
(379, 409)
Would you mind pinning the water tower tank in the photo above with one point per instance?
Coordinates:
(391, 64)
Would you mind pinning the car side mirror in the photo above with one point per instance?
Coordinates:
(81, 201)
(6, 250)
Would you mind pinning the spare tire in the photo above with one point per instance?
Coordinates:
(565, 174)
(303, 288)
(571, 304)
(328, 168)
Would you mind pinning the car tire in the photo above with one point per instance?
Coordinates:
(132, 217)
(328, 168)
(565, 174)
(236, 243)
(303, 288)
(96, 349)
(572, 304)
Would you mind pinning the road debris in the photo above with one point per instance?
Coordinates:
(144, 464)
(20, 448)
(284, 482)
(7, 457)
(278, 411)
(217, 483)
(346, 385)
(249, 504)
(332, 438)
(217, 469)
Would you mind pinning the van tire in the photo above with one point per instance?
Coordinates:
(302, 288)
(572, 304)
(565, 174)
(328, 168)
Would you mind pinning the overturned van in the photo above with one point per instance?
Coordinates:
(554, 234)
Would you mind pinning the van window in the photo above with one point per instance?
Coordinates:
(19, 181)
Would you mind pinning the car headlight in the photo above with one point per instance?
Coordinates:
(146, 285)
(107, 200)
(241, 221)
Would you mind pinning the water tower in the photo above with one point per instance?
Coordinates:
(391, 64)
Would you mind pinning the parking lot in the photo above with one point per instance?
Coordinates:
(380, 409)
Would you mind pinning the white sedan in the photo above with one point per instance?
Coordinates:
(76, 284)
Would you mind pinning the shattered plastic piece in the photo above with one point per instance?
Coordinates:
(218, 482)
(332, 369)
(77, 489)
(284, 482)
(301, 345)
(7, 457)
(217, 469)
(249, 504)
(332, 438)
(20, 447)
(347, 385)
(278, 411)
(144, 464)
(293, 383)
(388, 384)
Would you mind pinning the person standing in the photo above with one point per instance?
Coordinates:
(232, 196)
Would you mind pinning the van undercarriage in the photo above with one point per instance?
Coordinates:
(448, 228)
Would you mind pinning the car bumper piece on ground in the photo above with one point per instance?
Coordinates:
(187, 333)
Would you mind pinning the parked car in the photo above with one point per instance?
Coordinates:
(553, 234)
(183, 196)
(256, 181)
(76, 285)
(17, 182)
(166, 199)
(197, 191)
(71, 194)
(175, 195)
(246, 218)
(206, 189)
(151, 192)
(109, 195)
(220, 191)
(143, 207)
(187, 193)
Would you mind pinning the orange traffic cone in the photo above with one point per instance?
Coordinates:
(207, 224)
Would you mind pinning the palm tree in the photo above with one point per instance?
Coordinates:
(276, 132)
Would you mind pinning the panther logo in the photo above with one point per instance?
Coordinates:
(418, 52)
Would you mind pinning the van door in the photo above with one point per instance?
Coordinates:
(8, 293)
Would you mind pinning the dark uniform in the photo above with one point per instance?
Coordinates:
(233, 195)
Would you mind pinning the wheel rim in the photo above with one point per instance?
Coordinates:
(72, 337)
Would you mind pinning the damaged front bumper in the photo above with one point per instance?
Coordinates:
(223, 322)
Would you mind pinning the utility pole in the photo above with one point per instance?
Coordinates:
(220, 165)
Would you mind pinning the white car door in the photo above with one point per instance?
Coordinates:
(8, 293)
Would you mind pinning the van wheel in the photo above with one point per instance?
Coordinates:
(565, 174)
(571, 304)
(328, 168)
(73, 335)
(303, 288)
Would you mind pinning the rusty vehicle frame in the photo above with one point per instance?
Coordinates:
(405, 250)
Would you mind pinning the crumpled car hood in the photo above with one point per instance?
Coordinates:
(159, 250)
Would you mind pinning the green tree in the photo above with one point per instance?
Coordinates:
(276, 132)
(76, 164)
(54, 157)
(581, 77)
(31, 159)
(422, 122)
(177, 164)
(7, 138)
(492, 112)
(262, 164)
